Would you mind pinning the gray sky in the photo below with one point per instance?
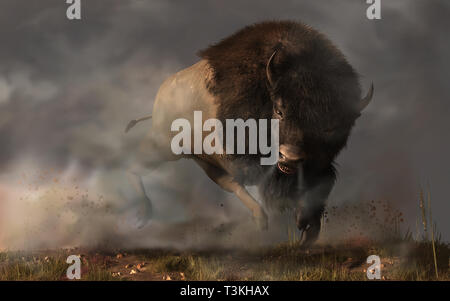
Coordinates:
(67, 88)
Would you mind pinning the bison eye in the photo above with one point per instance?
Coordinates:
(278, 112)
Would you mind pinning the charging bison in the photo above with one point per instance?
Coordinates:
(284, 70)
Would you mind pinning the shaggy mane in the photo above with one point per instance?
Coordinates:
(311, 72)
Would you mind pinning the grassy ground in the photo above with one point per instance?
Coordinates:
(401, 260)
(404, 256)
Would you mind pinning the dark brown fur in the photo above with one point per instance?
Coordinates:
(316, 84)
(310, 72)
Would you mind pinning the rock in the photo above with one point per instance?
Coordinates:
(141, 266)
(128, 266)
(118, 256)
(133, 271)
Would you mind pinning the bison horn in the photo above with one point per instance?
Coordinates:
(365, 101)
(268, 69)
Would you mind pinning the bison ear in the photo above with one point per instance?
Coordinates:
(269, 70)
(366, 100)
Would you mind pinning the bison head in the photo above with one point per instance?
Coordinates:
(317, 103)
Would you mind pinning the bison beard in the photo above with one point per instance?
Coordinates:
(280, 191)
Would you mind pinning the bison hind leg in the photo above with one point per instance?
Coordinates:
(150, 155)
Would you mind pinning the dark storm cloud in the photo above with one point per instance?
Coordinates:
(67, 88)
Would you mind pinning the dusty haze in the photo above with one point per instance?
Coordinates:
(68, 88)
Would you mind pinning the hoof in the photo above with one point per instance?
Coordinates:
(310, 234)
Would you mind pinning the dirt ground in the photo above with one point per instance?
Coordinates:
(287, 261)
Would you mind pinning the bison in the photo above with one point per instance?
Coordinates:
(281, 70)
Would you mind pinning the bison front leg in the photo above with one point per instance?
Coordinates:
(311, 206)
(227, 182)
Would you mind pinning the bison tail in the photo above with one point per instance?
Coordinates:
(133, 122)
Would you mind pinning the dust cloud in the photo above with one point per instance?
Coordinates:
(68, 89)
